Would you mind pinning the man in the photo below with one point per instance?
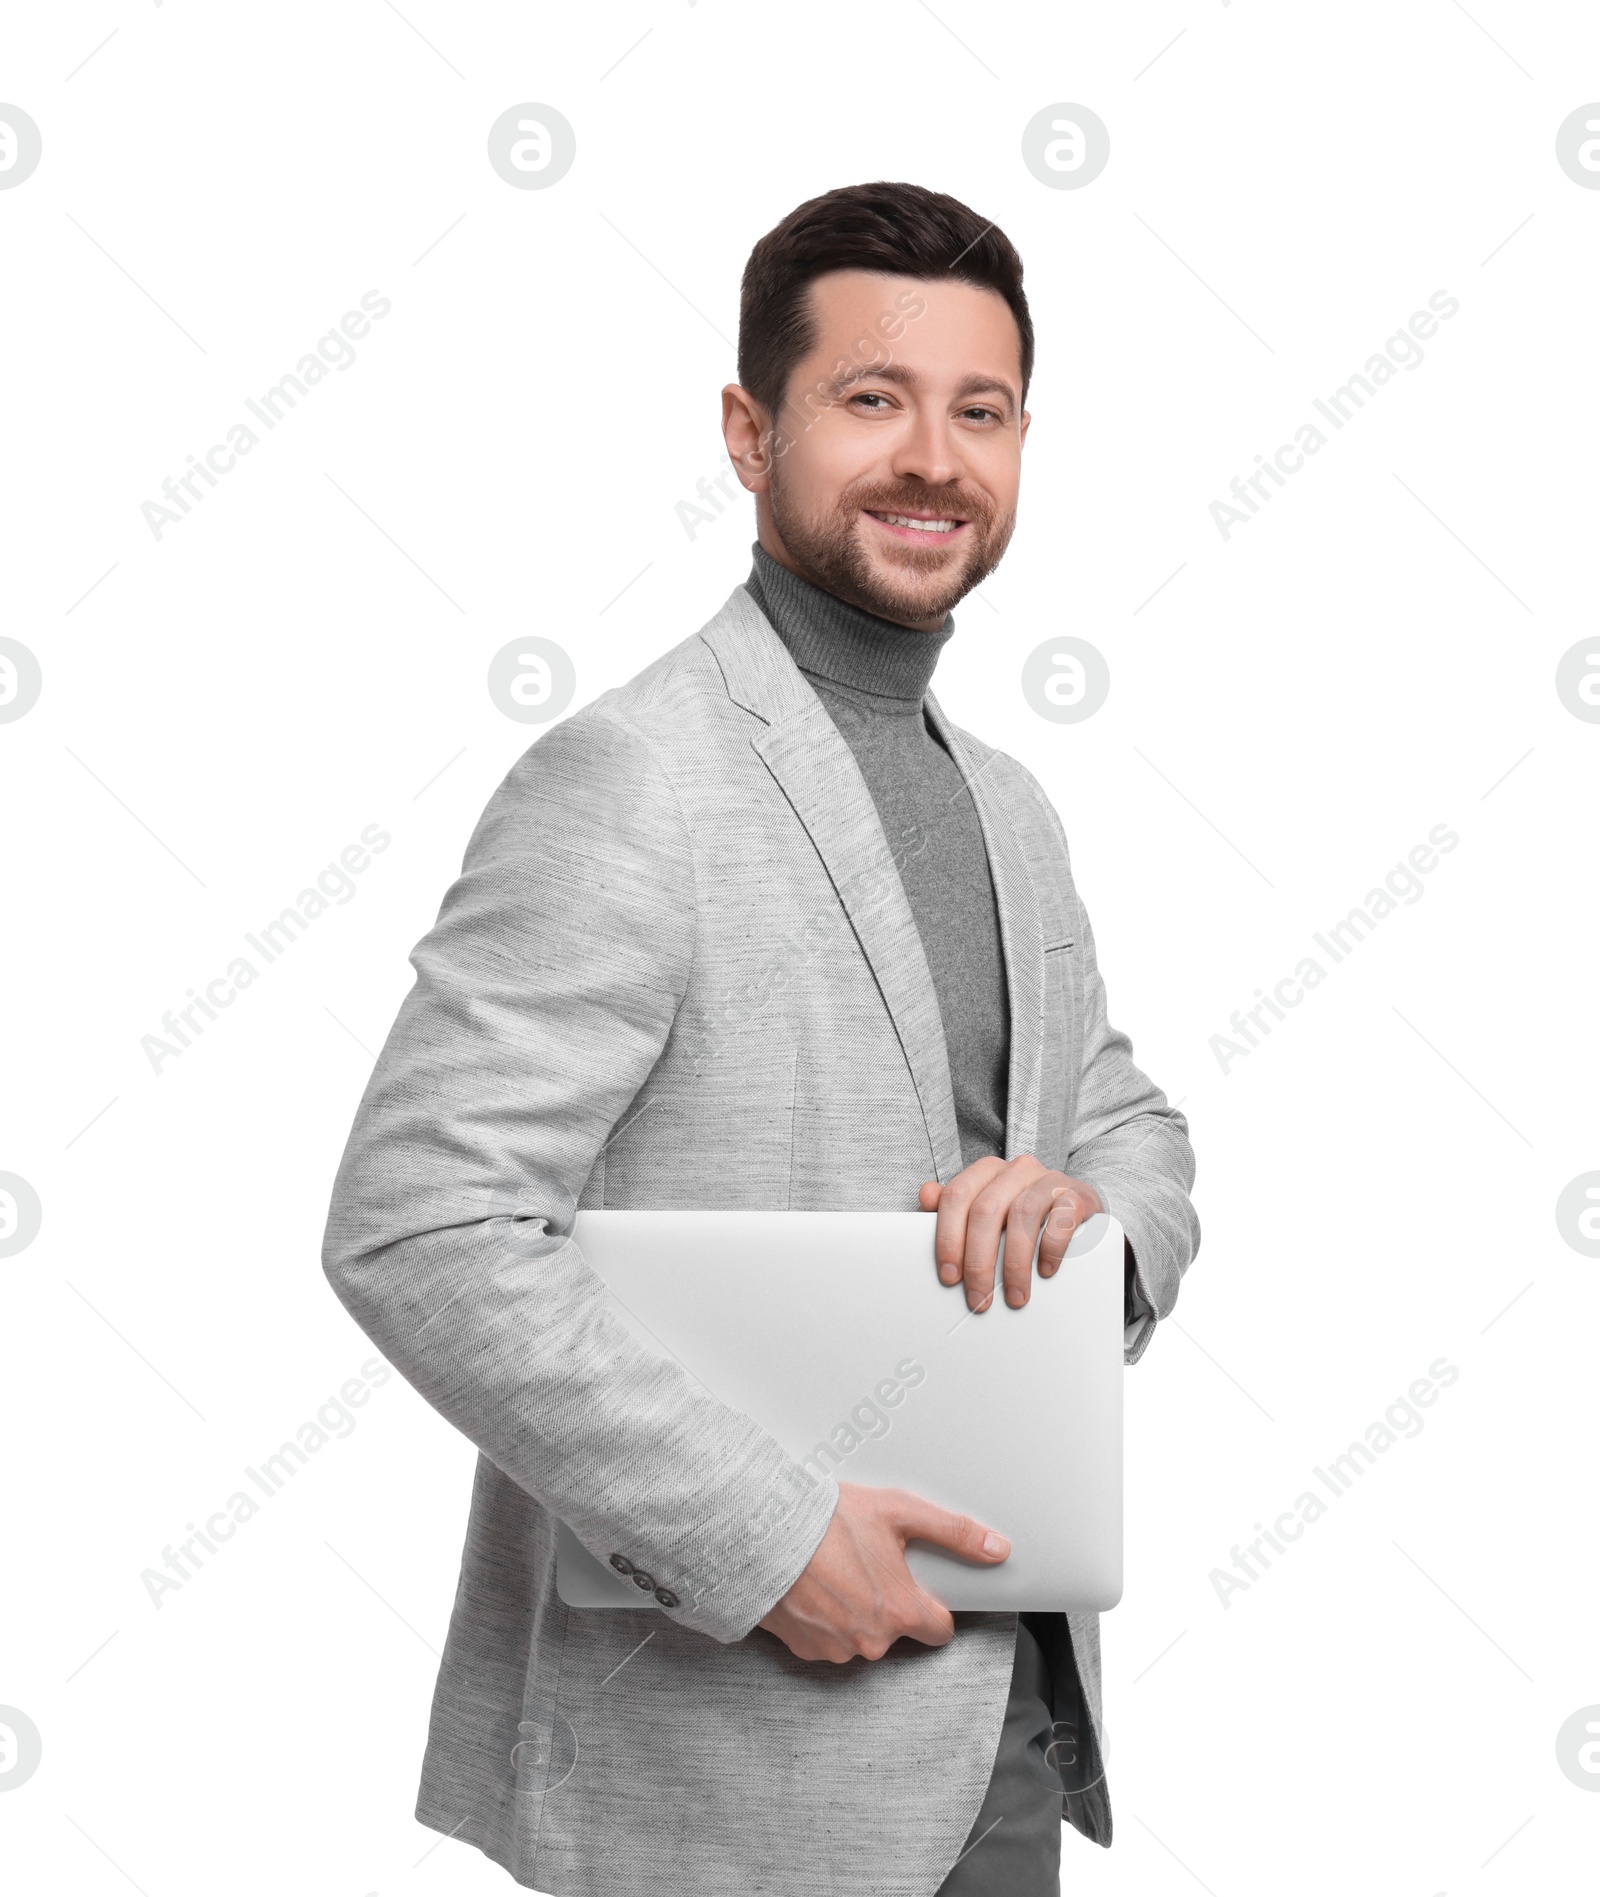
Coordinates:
(762, 928)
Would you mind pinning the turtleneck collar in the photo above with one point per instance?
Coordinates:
(839, 642)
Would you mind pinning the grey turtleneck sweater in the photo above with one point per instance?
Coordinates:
(872, 675)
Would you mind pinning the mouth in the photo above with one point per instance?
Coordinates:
(919, 528)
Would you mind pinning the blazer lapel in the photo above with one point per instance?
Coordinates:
(813, 766)
(1002, 813)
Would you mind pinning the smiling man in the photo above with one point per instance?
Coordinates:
(763, 928)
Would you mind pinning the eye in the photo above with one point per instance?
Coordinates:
(982, 414)
(871, 395)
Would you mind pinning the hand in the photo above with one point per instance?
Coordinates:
(1017, 1197)
(856, 1595)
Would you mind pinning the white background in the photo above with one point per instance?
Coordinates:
(225, 708)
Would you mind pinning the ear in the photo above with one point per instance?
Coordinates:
(747, 429)
(1026, 418)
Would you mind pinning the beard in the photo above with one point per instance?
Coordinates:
(896, 581)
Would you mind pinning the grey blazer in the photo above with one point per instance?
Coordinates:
(679, 969)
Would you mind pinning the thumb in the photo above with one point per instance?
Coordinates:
(921, 1520)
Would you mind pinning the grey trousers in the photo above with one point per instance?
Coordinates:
(1014, 1847)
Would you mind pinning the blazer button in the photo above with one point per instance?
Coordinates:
(666, 1597)
(641, 1579)
(622, 1564)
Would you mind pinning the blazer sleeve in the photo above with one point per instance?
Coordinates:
(1135, 1149)
(544, 995)
(1128, 1143)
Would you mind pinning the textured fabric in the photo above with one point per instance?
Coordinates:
(678, 970)
(872, 676)
(1014, 1847)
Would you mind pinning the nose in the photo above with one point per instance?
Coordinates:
(928, 451)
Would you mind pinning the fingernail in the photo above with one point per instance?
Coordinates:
(1047, 1271)
(995, 1544)
(1016, 1298)
(948, 1274)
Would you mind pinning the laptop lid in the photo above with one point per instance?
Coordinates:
(832, 1331)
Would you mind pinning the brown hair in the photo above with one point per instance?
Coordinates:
(902, 230)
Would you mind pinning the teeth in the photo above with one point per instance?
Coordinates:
(918, 526)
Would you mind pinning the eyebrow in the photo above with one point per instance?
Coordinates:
(909, 379)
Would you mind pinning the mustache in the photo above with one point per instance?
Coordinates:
(955, 503)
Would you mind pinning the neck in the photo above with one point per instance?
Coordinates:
(831, 639)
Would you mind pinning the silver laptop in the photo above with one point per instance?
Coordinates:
(832, 1331)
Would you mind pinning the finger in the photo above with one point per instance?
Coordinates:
(912, 1612)
(928, 1195)
(907, 1609)
(918, 1519)
(1066, 1215)
(1027, 1216)
(933, 1626)
(955, 1197)
(985, 1221)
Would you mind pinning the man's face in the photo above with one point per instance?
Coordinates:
(897, 489)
